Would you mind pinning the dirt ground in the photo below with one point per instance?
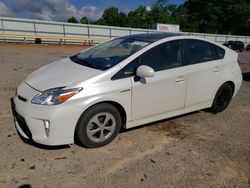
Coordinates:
(195, 150)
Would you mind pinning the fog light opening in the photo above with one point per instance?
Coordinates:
(46, 124)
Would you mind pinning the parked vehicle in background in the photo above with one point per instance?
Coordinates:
(235, 45)
(248, 47)
(125, 82)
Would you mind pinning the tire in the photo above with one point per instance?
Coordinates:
(222, 98)
(98, 126)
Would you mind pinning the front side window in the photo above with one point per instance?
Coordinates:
(108, 54)
(128, 71)
(163, 56)
(198, 51)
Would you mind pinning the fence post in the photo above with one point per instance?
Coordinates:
(88, 30)
(34, 23)
(2, 26)
(110, 34)
(64, 33)
(64, 30)
(130, 32)
(2, 29)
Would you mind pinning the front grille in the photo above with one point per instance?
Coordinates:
(21, 98)
(23, 125)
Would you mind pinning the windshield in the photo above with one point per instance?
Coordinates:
(108, 54)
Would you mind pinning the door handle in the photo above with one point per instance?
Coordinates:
(180, 79)
(216, 69)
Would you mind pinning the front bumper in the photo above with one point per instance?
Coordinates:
(29, 118)
(20, 122)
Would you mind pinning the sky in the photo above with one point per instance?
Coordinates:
(61, 10)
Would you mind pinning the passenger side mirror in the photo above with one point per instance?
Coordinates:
(144, 71)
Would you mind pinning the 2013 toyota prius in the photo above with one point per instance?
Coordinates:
(125, 82)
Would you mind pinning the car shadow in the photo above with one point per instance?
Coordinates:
(246, 76)
(25, 186)
(123, 130)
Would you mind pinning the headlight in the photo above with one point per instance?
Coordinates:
(55, 96)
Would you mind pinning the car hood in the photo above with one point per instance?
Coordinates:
(58, 74)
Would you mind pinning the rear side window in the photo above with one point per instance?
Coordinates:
(219, 52)
(198, 51)
(164, 56)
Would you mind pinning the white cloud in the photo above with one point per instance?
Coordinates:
(5, 11)
(91, 12)
(148, 8)
(57, 10)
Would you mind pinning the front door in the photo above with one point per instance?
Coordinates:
(166, 90)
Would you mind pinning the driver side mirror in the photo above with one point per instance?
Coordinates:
(144, 71)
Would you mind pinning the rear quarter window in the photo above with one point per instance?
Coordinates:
(198, 51)
(219, 52)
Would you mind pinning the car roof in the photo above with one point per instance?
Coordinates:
(152, 37)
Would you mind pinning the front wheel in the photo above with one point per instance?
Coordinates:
(222, 98)
(98, 126)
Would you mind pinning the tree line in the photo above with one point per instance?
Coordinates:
(213, 16)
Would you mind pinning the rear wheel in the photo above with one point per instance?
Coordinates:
(98, 126)
(222, 98)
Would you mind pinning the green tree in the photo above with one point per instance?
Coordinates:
(225, 16)
(111, 16)
(84, 20)
(72, 20)
(122, 19)
(139, 18)
(180, 16)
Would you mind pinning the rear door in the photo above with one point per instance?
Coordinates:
(204, 63)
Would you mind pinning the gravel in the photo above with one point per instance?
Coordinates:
(199, 149)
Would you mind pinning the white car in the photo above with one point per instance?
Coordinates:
(126, 82)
